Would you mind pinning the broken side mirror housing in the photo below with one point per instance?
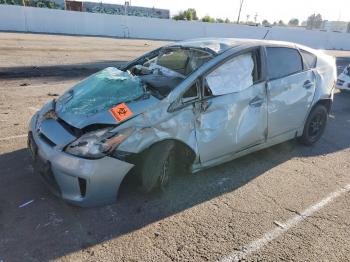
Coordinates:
(176, 105)
(205, 105)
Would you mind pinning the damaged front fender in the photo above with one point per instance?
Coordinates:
(158, 125)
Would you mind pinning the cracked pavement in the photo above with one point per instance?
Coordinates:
(202, 217)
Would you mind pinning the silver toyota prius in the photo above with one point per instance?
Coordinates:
(181, 108)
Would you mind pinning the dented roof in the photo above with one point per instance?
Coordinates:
(220, 45)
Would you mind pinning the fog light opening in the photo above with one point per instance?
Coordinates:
(82, 186)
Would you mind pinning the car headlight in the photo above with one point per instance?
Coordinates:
(97, 144)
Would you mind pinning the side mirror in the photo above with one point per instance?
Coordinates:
(201, 106)
(205, 105)
(175, 105)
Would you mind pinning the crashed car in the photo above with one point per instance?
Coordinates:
(181, 108)
(343, 81)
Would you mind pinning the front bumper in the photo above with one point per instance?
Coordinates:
(80, 181)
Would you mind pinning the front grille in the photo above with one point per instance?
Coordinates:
(42, 166)
(71, 129)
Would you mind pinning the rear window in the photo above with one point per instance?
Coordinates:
(309, 59)
(283, 62)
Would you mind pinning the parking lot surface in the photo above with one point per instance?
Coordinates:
(288, 202)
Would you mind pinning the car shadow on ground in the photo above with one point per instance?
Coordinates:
(48, 228)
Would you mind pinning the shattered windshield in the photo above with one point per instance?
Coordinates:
(100, 92)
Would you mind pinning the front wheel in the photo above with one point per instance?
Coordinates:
(314, 126)
(158, 167)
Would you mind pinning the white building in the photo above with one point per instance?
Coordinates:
(335, 26)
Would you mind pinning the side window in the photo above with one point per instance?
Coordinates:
(257, 73)
(309, 59)
(282, 61)
(347, 70)
(191, 94)
(151, 61)
(206, 90)
(175, 60)
(233, 76)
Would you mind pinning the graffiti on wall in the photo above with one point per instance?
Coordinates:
(125, 10)
(34, 3)
(112, 9)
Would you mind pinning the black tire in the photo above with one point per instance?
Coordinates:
(314, 126)
(158, 167)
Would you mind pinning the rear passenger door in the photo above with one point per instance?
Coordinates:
(290, 90)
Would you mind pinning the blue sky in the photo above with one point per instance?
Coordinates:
(272, 10)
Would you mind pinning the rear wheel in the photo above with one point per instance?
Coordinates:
(314, 126)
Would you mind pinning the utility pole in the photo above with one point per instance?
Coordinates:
(240, 9)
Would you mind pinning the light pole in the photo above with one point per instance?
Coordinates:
(240, 9)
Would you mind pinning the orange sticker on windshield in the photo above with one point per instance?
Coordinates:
(121, 112)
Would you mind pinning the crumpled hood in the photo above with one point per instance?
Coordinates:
(106, 117)
(99, 98)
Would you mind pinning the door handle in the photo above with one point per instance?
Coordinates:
(308, 84)
(256, 102)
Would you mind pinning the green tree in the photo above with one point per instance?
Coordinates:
(208, 19)
(179, 16)
(219, 20)
(281, 23)
(293, 22)
(189, 14)
(227, 21)
(314, 21)
(265, 23)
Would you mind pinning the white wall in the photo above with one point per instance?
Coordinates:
(42, 20)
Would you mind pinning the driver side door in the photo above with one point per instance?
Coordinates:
(232, 114)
